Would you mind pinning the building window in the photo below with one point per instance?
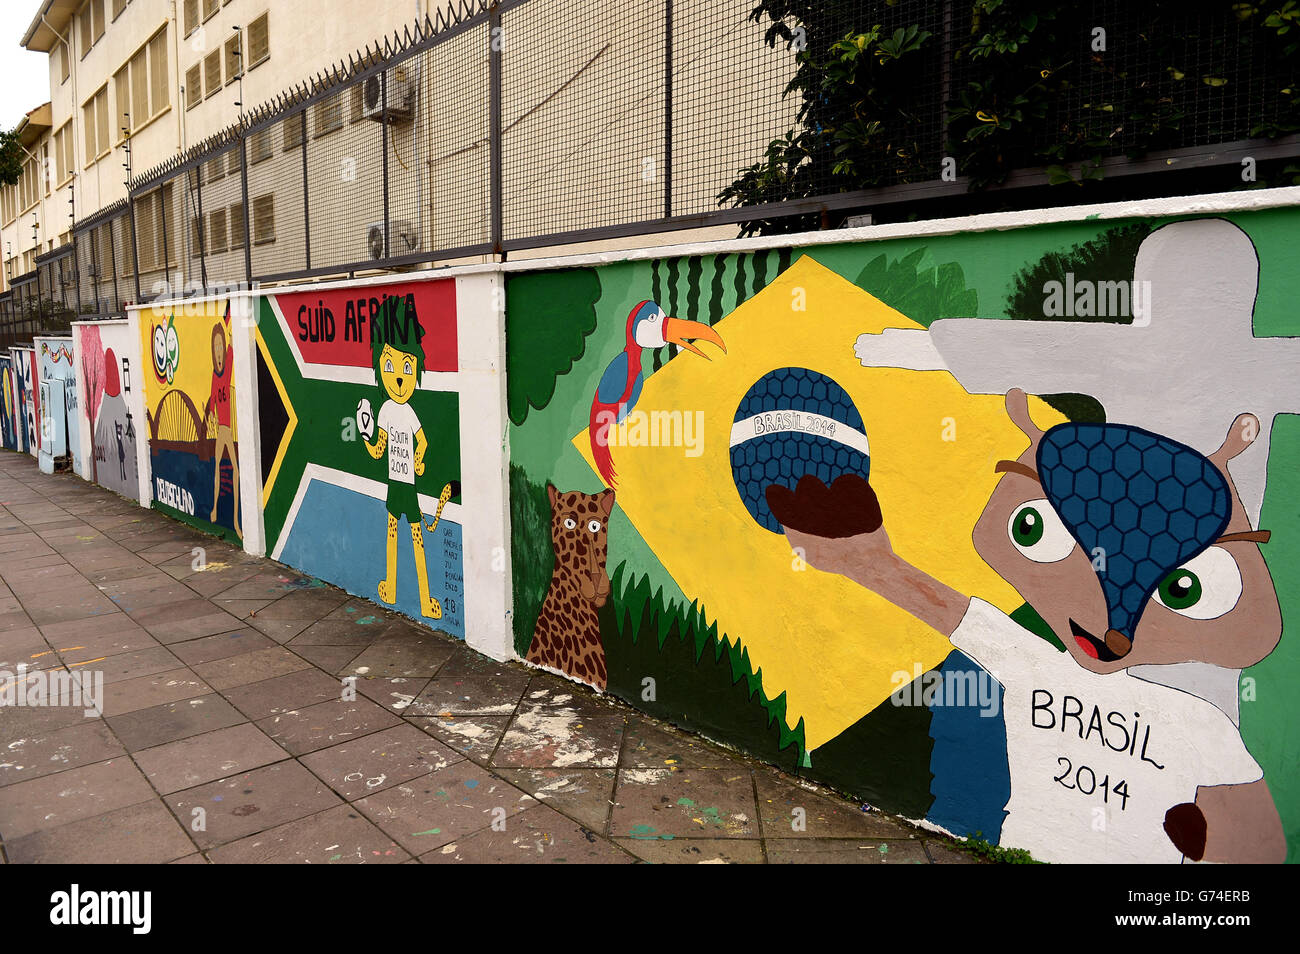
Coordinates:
(293, 131)
(191, 16)
(65, 64)
(259, 41)
(259, 146)
(159, 84)
(149, 228)
(217, 231)
(234, 58)
(264, 219)
(141, 84)
(237, 225)
(139, 105)
(329, 114)
(118, 7)
(92, 25)
(212, 73)
(64, 160)
(193, 86)
(95, 119)
(122, 91)
(29, 186)
(210, 8)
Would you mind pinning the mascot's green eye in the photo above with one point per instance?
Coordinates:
(1181, 589)
(1205, 587)
(1037, 532)
(1027, 527)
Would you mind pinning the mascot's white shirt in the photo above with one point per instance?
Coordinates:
(1096, 761)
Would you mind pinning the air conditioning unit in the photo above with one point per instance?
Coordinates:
(401, 82)
(403, 236)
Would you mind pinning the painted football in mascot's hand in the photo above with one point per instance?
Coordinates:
(365, 419)
(792, 423)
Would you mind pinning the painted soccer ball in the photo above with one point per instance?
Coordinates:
(793, 422)
(365, 419)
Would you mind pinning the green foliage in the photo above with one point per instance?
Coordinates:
(1108, 258)
(11, 158)
(988, 851)
(858, 118)
(551, 314)
(702, 680)
(1029, 84)
(924, 295)
(532, 559)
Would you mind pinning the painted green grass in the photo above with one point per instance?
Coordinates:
(701, 680)
(532, 560)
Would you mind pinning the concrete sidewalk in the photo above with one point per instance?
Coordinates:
(226, 736)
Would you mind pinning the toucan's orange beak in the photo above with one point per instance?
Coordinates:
(681, 332)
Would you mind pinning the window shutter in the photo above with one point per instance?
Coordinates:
(264, 219)
(212, 73)
(193, 86)
(159, 88)
(234, 58)
(237, 225)
(259, 41)
(122, 91)
(140, 109)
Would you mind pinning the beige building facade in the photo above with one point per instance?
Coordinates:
(583, 107)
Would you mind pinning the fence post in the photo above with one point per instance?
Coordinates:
(166, 259)
(93, 267)
(495, 44)
(248, 210)
(135, 250)
(668, 109)
(383, 123)
(198, 193)
(40, 305)
(306, 200)
(76, 272)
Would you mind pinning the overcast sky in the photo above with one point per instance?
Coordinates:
(24, 76)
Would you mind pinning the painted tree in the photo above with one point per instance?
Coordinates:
(92, 379)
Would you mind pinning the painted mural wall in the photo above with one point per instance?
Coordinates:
(360, 436)
(1024, 579)
(110, 382)
(8, 405)
(29, 399)
(190, 417)
(56, 365)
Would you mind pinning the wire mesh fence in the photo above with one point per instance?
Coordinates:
(498, 126)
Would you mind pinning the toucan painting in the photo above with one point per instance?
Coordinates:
(620, 385)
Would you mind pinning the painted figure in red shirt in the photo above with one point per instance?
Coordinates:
(218, 411)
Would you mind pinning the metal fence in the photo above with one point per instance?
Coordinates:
(500, 126)
(493, 127)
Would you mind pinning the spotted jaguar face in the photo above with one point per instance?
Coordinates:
(1134, 548)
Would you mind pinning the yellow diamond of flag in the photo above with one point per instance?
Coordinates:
(832, 646)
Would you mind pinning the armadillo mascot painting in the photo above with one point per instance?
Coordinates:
(1022, 579)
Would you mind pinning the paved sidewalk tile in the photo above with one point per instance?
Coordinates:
(255, 714)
